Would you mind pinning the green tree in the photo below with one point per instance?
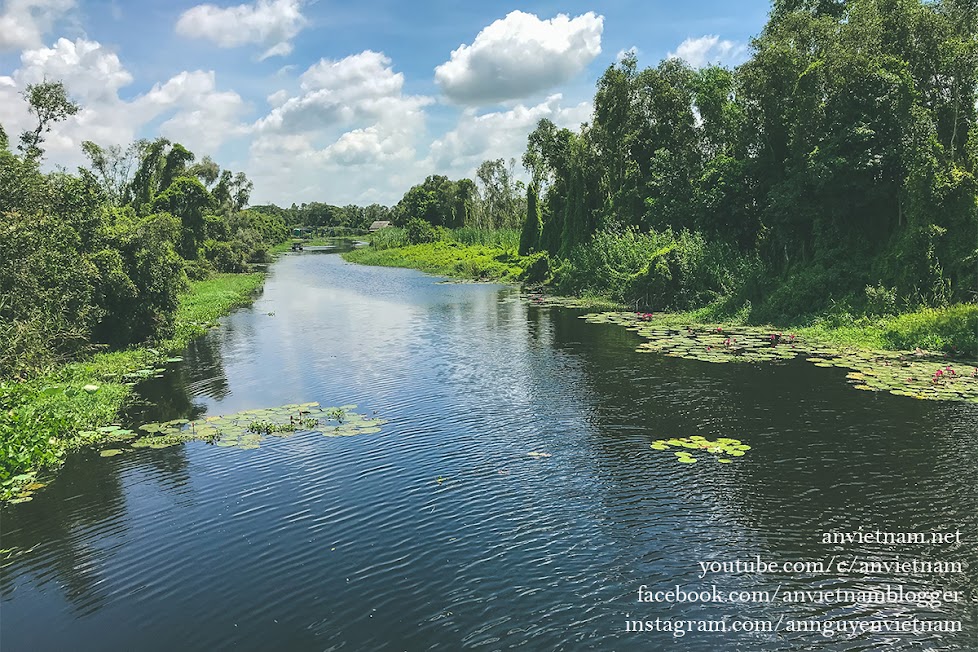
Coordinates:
(145, 181)
(111, 167)
(49, 103)
(532, 224)
(188, 200)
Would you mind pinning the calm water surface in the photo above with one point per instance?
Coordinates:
(316, 543)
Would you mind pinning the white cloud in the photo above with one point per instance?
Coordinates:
(277, 98)
(342, 131)
(271, 24)
(362, 87)
(704, 50)
(500, 134)
(205, 117)
(95, 73)
(352, 135)
(196, 113)
(519, 56)
(23, 23)
(350, 124)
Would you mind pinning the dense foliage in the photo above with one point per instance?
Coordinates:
(837, 165)
(832, 171)
(97, 259)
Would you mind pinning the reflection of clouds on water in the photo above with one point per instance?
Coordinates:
(442, 528)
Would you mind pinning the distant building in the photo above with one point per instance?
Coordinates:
(378, 225)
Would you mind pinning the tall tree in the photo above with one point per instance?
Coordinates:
(49, 103)
(532, 224)
(112, 167)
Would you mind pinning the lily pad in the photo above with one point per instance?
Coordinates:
(110, 452)
(723, 448)
(247, 428)
(918, 374)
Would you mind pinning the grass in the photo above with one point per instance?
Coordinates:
(953, 329)
(491, 255)
(208, 300)
(447, 258)
(46, 418)
(507, 239)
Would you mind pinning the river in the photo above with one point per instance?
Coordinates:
(442, 532)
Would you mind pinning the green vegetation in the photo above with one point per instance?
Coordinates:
(96, 261)
(464, 252)
(208, 300)
(246, 429)
(106, 272)
(828, 184)
(917, 373)
(51, 414)
(448, 259)
(723, 448)
(326, 220)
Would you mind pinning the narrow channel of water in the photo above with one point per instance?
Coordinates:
(442, 532)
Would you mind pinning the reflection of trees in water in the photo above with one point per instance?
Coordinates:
(203, 367)
(171, 397)
(65, 527)
(824, 456)
(70, 521)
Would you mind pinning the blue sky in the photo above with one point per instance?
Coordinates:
(340, 102)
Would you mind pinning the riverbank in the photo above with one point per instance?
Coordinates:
(953, 329)
(47, 417)
(446, 258)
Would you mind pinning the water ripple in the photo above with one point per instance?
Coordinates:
(442, 532)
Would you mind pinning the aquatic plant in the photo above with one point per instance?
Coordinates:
(246, 429)
(20, 488)
(267, 427)
(918, 374)
(722, 448)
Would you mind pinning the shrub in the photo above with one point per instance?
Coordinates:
(225, 256)
(537, 268)
(880, 300)
(389, 238)
(419, 231)
(953, 329)
(655, 269)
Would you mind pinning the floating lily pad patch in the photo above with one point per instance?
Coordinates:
(248, 428)
(709, 344)
(918, 374)
(20, 488)
(721, 449)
